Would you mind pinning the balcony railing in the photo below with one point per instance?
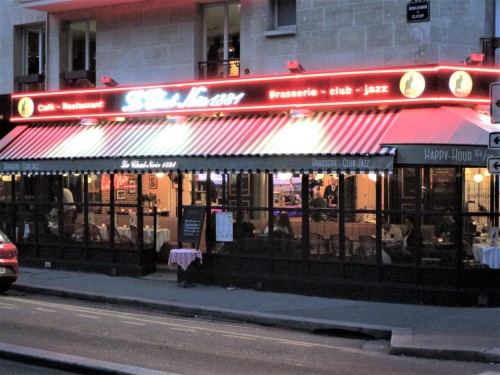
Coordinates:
(219, 69)
(79, 78)
(30, 82)
(490, 46)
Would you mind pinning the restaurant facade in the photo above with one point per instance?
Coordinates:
(158, 114)
(406, 146)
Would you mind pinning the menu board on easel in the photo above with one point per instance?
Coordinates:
(192, 225)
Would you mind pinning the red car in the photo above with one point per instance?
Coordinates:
(9, 267)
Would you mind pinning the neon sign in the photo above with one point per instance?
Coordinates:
(158, 99)
(339, 89)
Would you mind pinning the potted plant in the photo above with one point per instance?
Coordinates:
(145, 199)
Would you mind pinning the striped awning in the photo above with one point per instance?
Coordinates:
(325, 141)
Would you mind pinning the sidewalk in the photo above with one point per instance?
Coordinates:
(465, 334)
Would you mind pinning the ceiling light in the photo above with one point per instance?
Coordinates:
(89, 121)
(300, 113)
(478, 177)
(177, 119)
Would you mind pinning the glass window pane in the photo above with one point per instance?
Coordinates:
(286, 13)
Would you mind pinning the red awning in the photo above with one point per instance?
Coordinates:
(442, 125)
(329, 133)
(322, 134)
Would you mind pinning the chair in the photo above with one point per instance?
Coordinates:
(78, 231)
(367, 248)
(94, 234)
(282, 243)
(469, 259)
(467, 249)
(119, 239)
(134, 233)
(335, 245)
(135, 237)
(317, 245)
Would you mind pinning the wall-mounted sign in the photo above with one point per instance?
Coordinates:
(418, 11)
(393, 86)
(494, 140)
(495, 102)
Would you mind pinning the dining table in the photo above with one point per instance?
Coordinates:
(162, 234)
(182, 258)
(487, 254)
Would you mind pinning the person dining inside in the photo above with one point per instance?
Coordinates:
(284, 225)
(318, 202)
(69, 209)
(392, 241)
(449, 229)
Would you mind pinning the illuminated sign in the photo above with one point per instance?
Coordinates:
(159, 99)
(460, 84)
(391, 86)
(412, 84)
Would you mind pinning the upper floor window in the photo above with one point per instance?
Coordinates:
(285, 13)
(81, 53)
(221, 40)
(31, 77)
(34, 51)
(283, 18)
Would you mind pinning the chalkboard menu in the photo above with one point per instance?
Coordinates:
(192, 225)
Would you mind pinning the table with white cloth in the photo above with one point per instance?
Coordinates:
(162, 235)
(103, 231)
(183, 259)
(487, 254)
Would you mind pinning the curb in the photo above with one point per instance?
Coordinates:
(67, 362)
(402, 344)
(270, 320)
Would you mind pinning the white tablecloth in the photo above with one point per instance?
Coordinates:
(162, 234)
(183, 257)
(103, 230)
(487, 255)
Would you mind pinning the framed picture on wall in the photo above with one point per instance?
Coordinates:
(153, 182)
(132, 186)
(121, 195)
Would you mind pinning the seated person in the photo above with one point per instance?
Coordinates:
(392, 239)
(318, 202)
(448, 229)
(247, 227)
(275, 220)
(284, 225)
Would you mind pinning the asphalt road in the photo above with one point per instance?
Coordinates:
(188, 345)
